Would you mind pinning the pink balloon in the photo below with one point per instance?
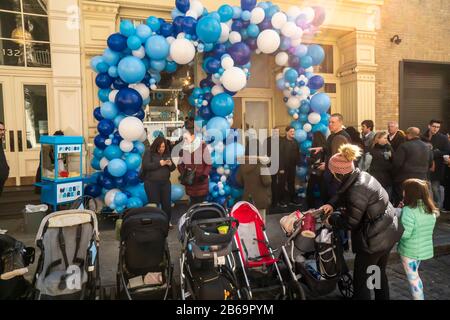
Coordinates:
(319, 16)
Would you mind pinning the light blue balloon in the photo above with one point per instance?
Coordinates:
(320, 103)
(140, 147)
(300, 135)
(109, 110)
(98, 153)
(208, 30)
(319, 127)
(222, 104)
(285, 43)
(271, 11)
(226, 12)
(133, 161)
(112, 152)
(306, 62)
(134, 202)
(134, 42)
(158, 65)
(292, 111)
(317, 54)
(95, 61)
(139, 192)
(117, 119)
(218, 128)
(157, 47)
(171, 66)
(296, 125)
(120, 199)
(252, 30)
(131, 69)
(302, 172)
(217, 159)
(103, 94)
(246, 15)
(211, 186)
(304, 108)
(111, 57)
(153, 23)
(95, 163)
(281, 84)
(177, 192)
(232, 152)
(143, 31)
(301, 50)
(113, 72)
(237, 11)
(291, 75)
(304, 146)
(117, 167)
(127, 28)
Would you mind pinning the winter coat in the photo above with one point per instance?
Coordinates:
(196, 155)
(369, 214)
(289, 154)
(417, 240)
(257, 187)
(367, 140)
(152, 169)
(413, 159)
(4, 168)
(381, 165)
(334, 142)
(398, 139)
(441, 147)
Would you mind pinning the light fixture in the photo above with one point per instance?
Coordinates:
(396, 39)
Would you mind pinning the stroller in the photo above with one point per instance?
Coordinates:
(68, 267)
(258, 264)
(14, 260)
(206, 273)
(327, 269)
(144, 269)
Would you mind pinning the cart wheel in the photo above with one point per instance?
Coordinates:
(295, 291)
(345, 285)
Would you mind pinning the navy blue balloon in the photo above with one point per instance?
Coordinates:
(107, 174)
(206, 83)
(182, 5)
(120, 182)
(146, 79)
(129, 101)
(240, 52)
(316, 83)
(265, 24)
(294, 61)
(105, 127)
(115, 141)
(99, 142)
(97, 114)
(166, 29)
(208, 96)
(118, 84)
(237, 25)
(252, 43)
(132, 177)
(178, 24)
(248, 5)
(140, 114)
(93, 190)
(103, 80)
(188, 25)
(205, 112)
(212, 65)
(117, 42)
(219, 50)
(106, 182)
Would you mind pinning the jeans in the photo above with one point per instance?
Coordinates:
(436, 188)
(159, 192)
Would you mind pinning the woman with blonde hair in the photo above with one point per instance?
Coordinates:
(370, 217)
(381, 165)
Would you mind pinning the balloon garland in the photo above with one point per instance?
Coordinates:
(131, 65)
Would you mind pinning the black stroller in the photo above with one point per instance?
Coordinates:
(144, 270)
(327, 269)
(206, 233)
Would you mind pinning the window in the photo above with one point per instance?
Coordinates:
(24, 35)
(36, 118)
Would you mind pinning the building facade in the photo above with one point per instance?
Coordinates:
(46, 83)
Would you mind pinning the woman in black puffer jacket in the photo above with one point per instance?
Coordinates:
(381, 165)
(370, 217)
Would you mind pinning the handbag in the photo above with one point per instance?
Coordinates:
(187, 177)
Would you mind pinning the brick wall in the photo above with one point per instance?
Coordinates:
(424, 27)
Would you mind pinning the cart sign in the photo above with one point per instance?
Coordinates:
(69, 191)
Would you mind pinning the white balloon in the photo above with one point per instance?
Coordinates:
(289, 29)
(109, 196)
(131, 128)
(229, 23)
(293, 102)
(307, 127)
(143, 137)
(287, 93)
(112, 95)
(257, 15)
(170, 39)
(230, 121)
(281, 59)
(215, 90)
(309, 13)
(293, 12)
(314, 118)
(297, 34)
(143, 90)
(295, 116)
(223, 179)
(310, 69)
(235, 37)
(305, 92)
(139, 53)
(126, 146)
(181, 35)
(278, 20)
(227, 62)
(103, 163)
(182, 51)
(196, 6)
(225, 33)
(191, 13)
(296, 42)
(234, 79)
(268, 41)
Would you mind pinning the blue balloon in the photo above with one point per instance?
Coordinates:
(302, 117)
(138, 191)
(246, 15)
(205, 113)
(134, 202)
(120, 199)
(240, 52)
(129, 101)
(143, 31)
(301, 50)
(285, 43)
(103, 80)
(95, 163)
(248, 4)
(316, 82)
(306, 62)
(253, 30)
(99, 142)
(153, 23)
(158, 65)
(117, 42)
(217, 159)
(133, 161)
(108, 110)
(171, 66)
(304, 146)
(157, 47)
(166, 29)
(304, 107)
(217, 127)
(95, 61)
(106, 182)
(237, 11)
(131, 69)
(300, 135)
(281, 84)
(113, 152)
(97, 114)
(132, 177)
(177, 192)
(117, 167)
(211, 65)
(211, 186)
(111, 57)
(118, 83)
(296, 125)
(188, 25)
(325, 118)
(118, 119)
(237, 25)
(208, 29)
(302, 172)
(319, 127)
(226, 12)
(105, 127)
(93, 190)
(232, 152)
(291, 75)
(134, 42)
(320, 103)
(139, 146)
(182, 5)
(98, 153)
(222, 104)
(127, 28)
(317, 54)
(113, 72)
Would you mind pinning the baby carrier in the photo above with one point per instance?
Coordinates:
(206, 233)
(144, 270)
(68, 266)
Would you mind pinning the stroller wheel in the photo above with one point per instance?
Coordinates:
(345, 285)
(245, 294)
(295, 291)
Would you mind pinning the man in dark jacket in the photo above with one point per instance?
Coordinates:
(441, 148)
(413, 159)
(395, 137)
(289, 158)
(4, 168)
(272, 148)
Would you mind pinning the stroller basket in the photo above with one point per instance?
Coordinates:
(206, 231)
(318, 287)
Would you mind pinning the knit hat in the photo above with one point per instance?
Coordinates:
(342, 162)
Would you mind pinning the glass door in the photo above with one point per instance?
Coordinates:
(256, 118)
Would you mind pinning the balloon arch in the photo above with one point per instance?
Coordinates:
(131, 65)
